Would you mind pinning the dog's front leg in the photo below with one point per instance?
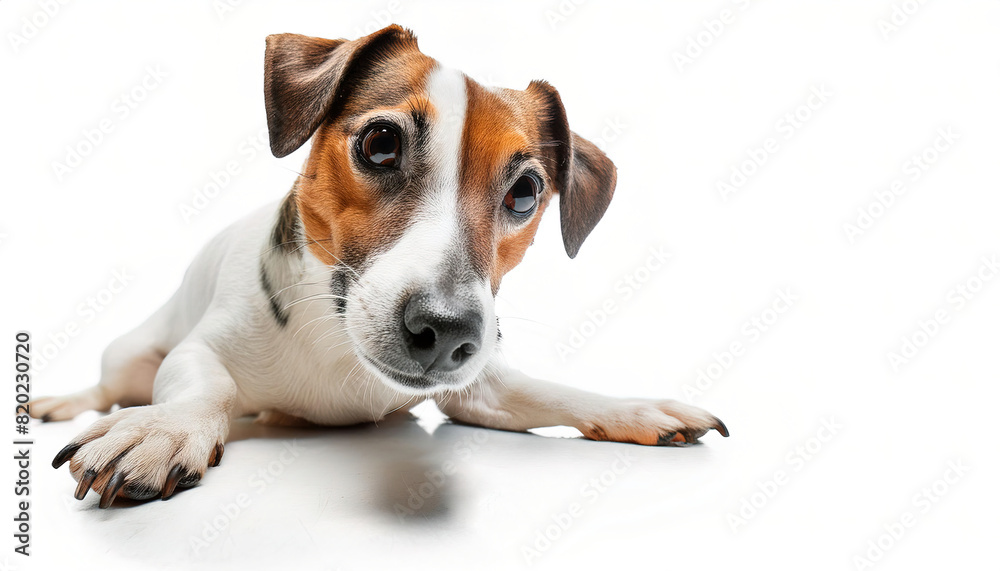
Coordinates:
(148, 451)
(511, 400)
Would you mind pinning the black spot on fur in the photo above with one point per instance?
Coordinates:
(265, 283)
(338, 286)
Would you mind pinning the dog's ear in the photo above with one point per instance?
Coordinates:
(307, 79)
(584, 176)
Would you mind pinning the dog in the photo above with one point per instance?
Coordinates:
(370, 287)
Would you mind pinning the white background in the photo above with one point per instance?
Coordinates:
(680, 128)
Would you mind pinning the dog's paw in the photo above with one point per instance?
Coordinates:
(141, 453)
(68, 406)
(653, 423)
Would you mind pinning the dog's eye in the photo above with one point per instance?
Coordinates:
(381, 146)
(523, 195)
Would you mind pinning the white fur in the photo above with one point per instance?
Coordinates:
(433, 237)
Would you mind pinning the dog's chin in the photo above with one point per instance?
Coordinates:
(416, 384)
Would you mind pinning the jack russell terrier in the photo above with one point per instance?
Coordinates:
(370, 287)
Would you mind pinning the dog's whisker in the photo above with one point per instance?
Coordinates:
(408, 401)
(529, 320)
(328, 349)
(296, 284)
(313, 297)
(331, 333)
(324, 317)
(296, 172)
(371, 398)
(347, 378)
(339, 261)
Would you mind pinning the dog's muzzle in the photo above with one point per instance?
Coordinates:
(441, 329)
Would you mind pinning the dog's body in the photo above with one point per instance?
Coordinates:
(370, 287)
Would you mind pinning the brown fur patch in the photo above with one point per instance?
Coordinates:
(498, 125)
(344, 219)
(627, 433)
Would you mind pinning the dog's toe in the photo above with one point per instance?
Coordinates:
(139, 454)
(65, 407)
(653, 423)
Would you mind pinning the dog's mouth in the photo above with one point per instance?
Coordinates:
(418, 334)
(403, 381)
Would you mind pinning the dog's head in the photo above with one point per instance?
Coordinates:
(422, 189)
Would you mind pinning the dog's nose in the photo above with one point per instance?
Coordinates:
(440, 331)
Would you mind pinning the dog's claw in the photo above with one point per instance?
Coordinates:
(86, 480)
(721, 427)
(175, 475)
(65, 454)
(216, 458)
(111, 490)
(666, 439)
(189, 480)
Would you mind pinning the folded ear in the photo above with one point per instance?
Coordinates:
(584, 176)
(306, 79)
